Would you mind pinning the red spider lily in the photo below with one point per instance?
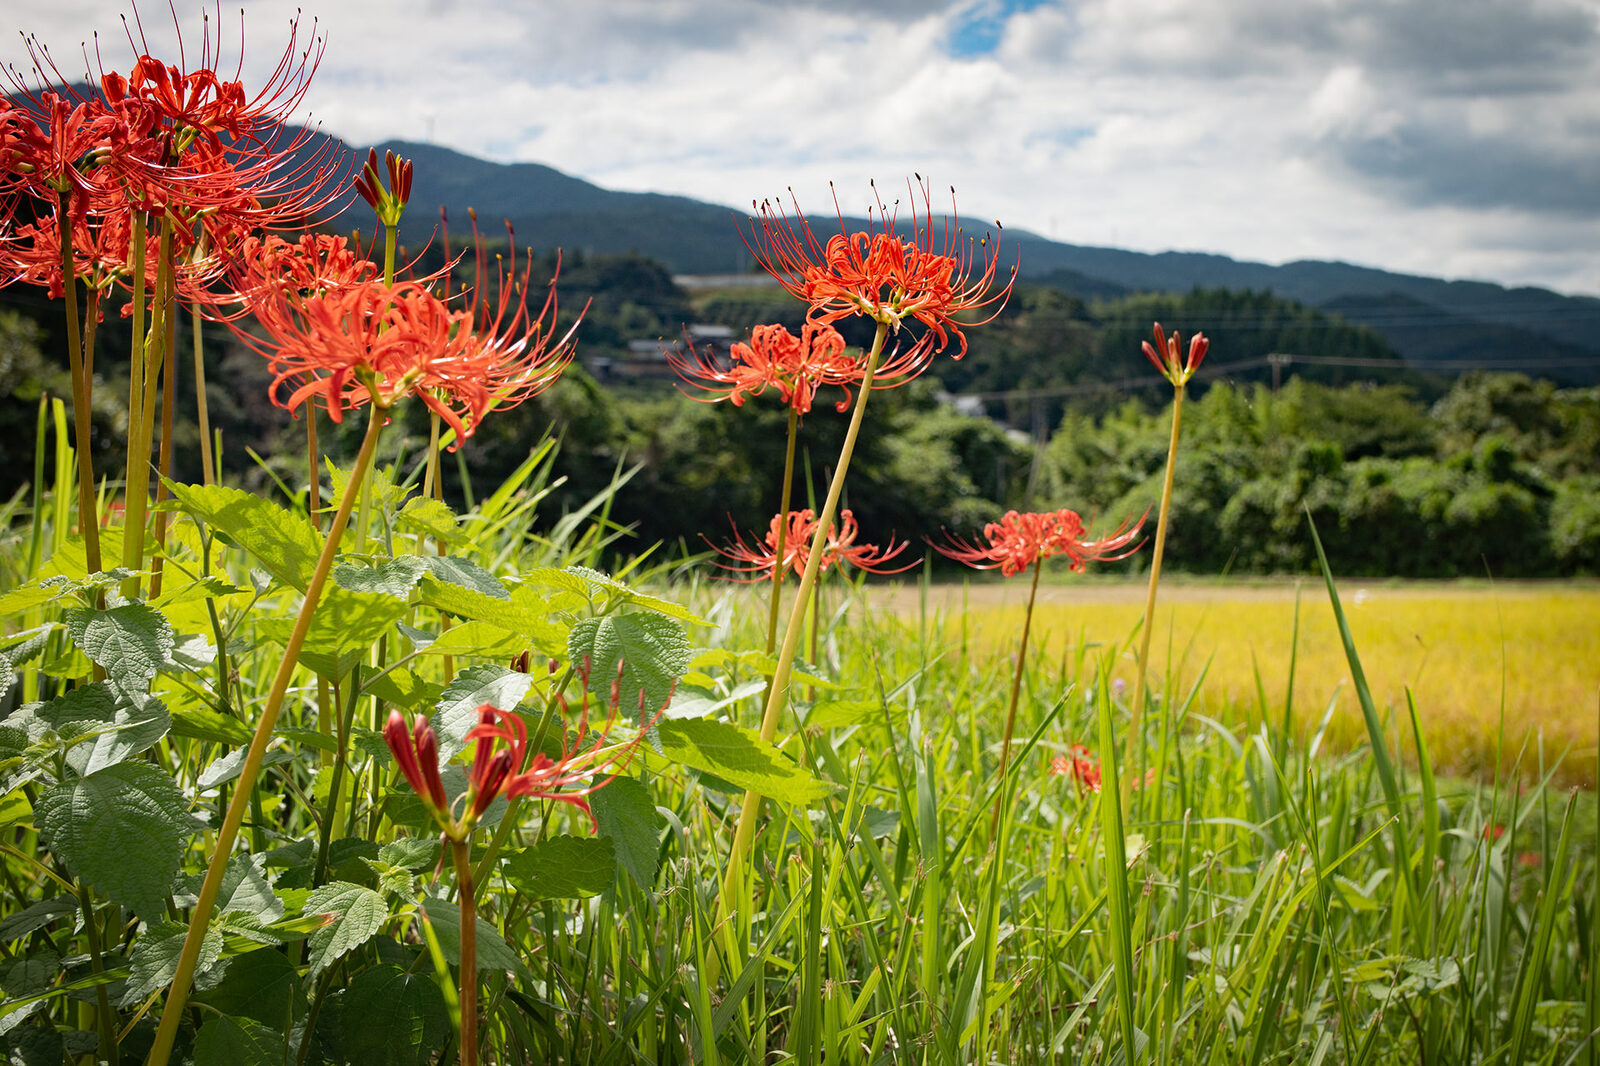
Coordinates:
(795, 366)
(417, 752)
(884, 276)
(761, 560)
(1079, 764)
(371, 342)
(389, 203)
(1165, 355)
(1019, 540)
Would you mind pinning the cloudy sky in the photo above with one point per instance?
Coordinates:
(1456, 138)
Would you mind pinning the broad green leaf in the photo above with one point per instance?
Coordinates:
(285, 544)
(739, 756)
(120, 829)
(625, 812)
(205, 588)
(14, 808)
(27, 977)
(410, 853)
(261, 984)
(155, 958)
(102, 724)
(396, 577)
(211, 726)
(225, 768)
(402, 688)
(563, 867)
(529, 620)
(238, 1042)
(27, 596)
(838, 714)
(356, 915)
(493, 952)
(131, 642)
(652, 649)
(379, 483)
(245, 890)
(344, 629)
(467, 574)
(587, 581)
(457, 709)
(478, 640)
(428, 517)
(393, 1018)
(36, 916)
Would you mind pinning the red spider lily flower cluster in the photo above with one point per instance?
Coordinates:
(189, 145)
(361, 340)
(1021, 539)
(761, 560)
(504, 765)
(388, 203)
(796, 366)
(1080, 764)
(883, 275)
(1167, 355)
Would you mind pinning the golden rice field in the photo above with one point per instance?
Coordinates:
(1472, 654)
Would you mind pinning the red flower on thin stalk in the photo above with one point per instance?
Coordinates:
(775, 358)
(368, 342)
(1167, 355)
(1080, 764)
(1020, 539)
(761, 562)
(883, 275)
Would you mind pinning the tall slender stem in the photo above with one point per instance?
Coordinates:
(136, 490)
(169, 373)
(778, 692)
(313, 470)
(1016, 690)
(1141, 684)
(208, 472)
(183, 979)
(779, 570)
(467, 985)
(88, 519)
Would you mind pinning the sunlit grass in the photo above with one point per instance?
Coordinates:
(1466, 651)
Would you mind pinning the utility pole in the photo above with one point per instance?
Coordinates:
(1278, 360)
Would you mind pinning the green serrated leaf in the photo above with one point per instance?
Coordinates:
(245, 891)
(131, 642)
(263, 985)
(652, 649)
(625, 812)
(356, 916)
(24, 978)
(740, 756)
(457, 709)
(396, 577)
(26, 597)
(102, 724)
(838, 714)
(227, 767)
(211, 726)
(37, 916)
(493, 952)
(285, 544)
(402, 688)
(205, 588)
(238, 1042)
(379, 483)
(429, 517)
(467, 574)
(8, 674)
(530, 621)
(563, 867)
(400, 1018)
(120, 829)
(344, 629)
(155, 958)
(410, 853)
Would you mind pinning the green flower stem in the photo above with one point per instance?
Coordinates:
(82, 383)
(1134, 744)
(1016, 690)
(778, 694)
(779, 571)
(164, 455)
(178, 993)
(467, 984)
(208, 471)
(136, 490)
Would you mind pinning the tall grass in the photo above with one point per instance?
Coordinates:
(1269, 899)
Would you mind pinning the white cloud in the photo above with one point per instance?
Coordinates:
(1360, 130)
